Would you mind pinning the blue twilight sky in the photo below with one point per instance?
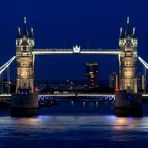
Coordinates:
(64, 23)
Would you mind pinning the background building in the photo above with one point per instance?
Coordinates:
(140, 82)
(92, 75)
(113, 80)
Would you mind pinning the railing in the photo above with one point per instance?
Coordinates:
(76, 95)
(5, 98)
(5, 95)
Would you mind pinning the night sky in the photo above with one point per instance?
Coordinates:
(64, 23)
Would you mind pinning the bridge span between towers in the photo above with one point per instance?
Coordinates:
(77, 50)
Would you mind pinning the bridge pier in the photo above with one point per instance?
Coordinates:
(24, 104)
(128, 104)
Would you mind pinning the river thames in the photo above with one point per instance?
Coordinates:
(74, 125)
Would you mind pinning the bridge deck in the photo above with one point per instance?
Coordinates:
(77, 94)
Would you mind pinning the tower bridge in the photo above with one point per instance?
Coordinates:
(127, 53)
(26, 52)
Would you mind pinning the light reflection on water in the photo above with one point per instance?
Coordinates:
(79, 122)
(73, 130)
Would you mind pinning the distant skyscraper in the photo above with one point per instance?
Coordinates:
(92, 74)
(113, 80)
(140, 82)
(6, 86)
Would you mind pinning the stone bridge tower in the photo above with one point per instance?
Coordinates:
(25, 59)
(128, 44)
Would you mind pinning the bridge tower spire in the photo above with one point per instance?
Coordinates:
(24, 58)
(128, 44)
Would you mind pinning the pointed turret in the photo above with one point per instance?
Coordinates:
(128, 31)
(25, 30)
(31, 33)
(121, 33)
(134, 32)
(25, 37)
(18, 32)
(128, 38)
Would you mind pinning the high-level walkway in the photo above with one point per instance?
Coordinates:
(76, 49)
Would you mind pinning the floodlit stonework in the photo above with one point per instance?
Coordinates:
(128, 44)
(25, 58)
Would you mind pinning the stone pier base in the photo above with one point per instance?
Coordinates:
(24, 105)
(127, 104)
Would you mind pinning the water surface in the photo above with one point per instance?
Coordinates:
(74, 125)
